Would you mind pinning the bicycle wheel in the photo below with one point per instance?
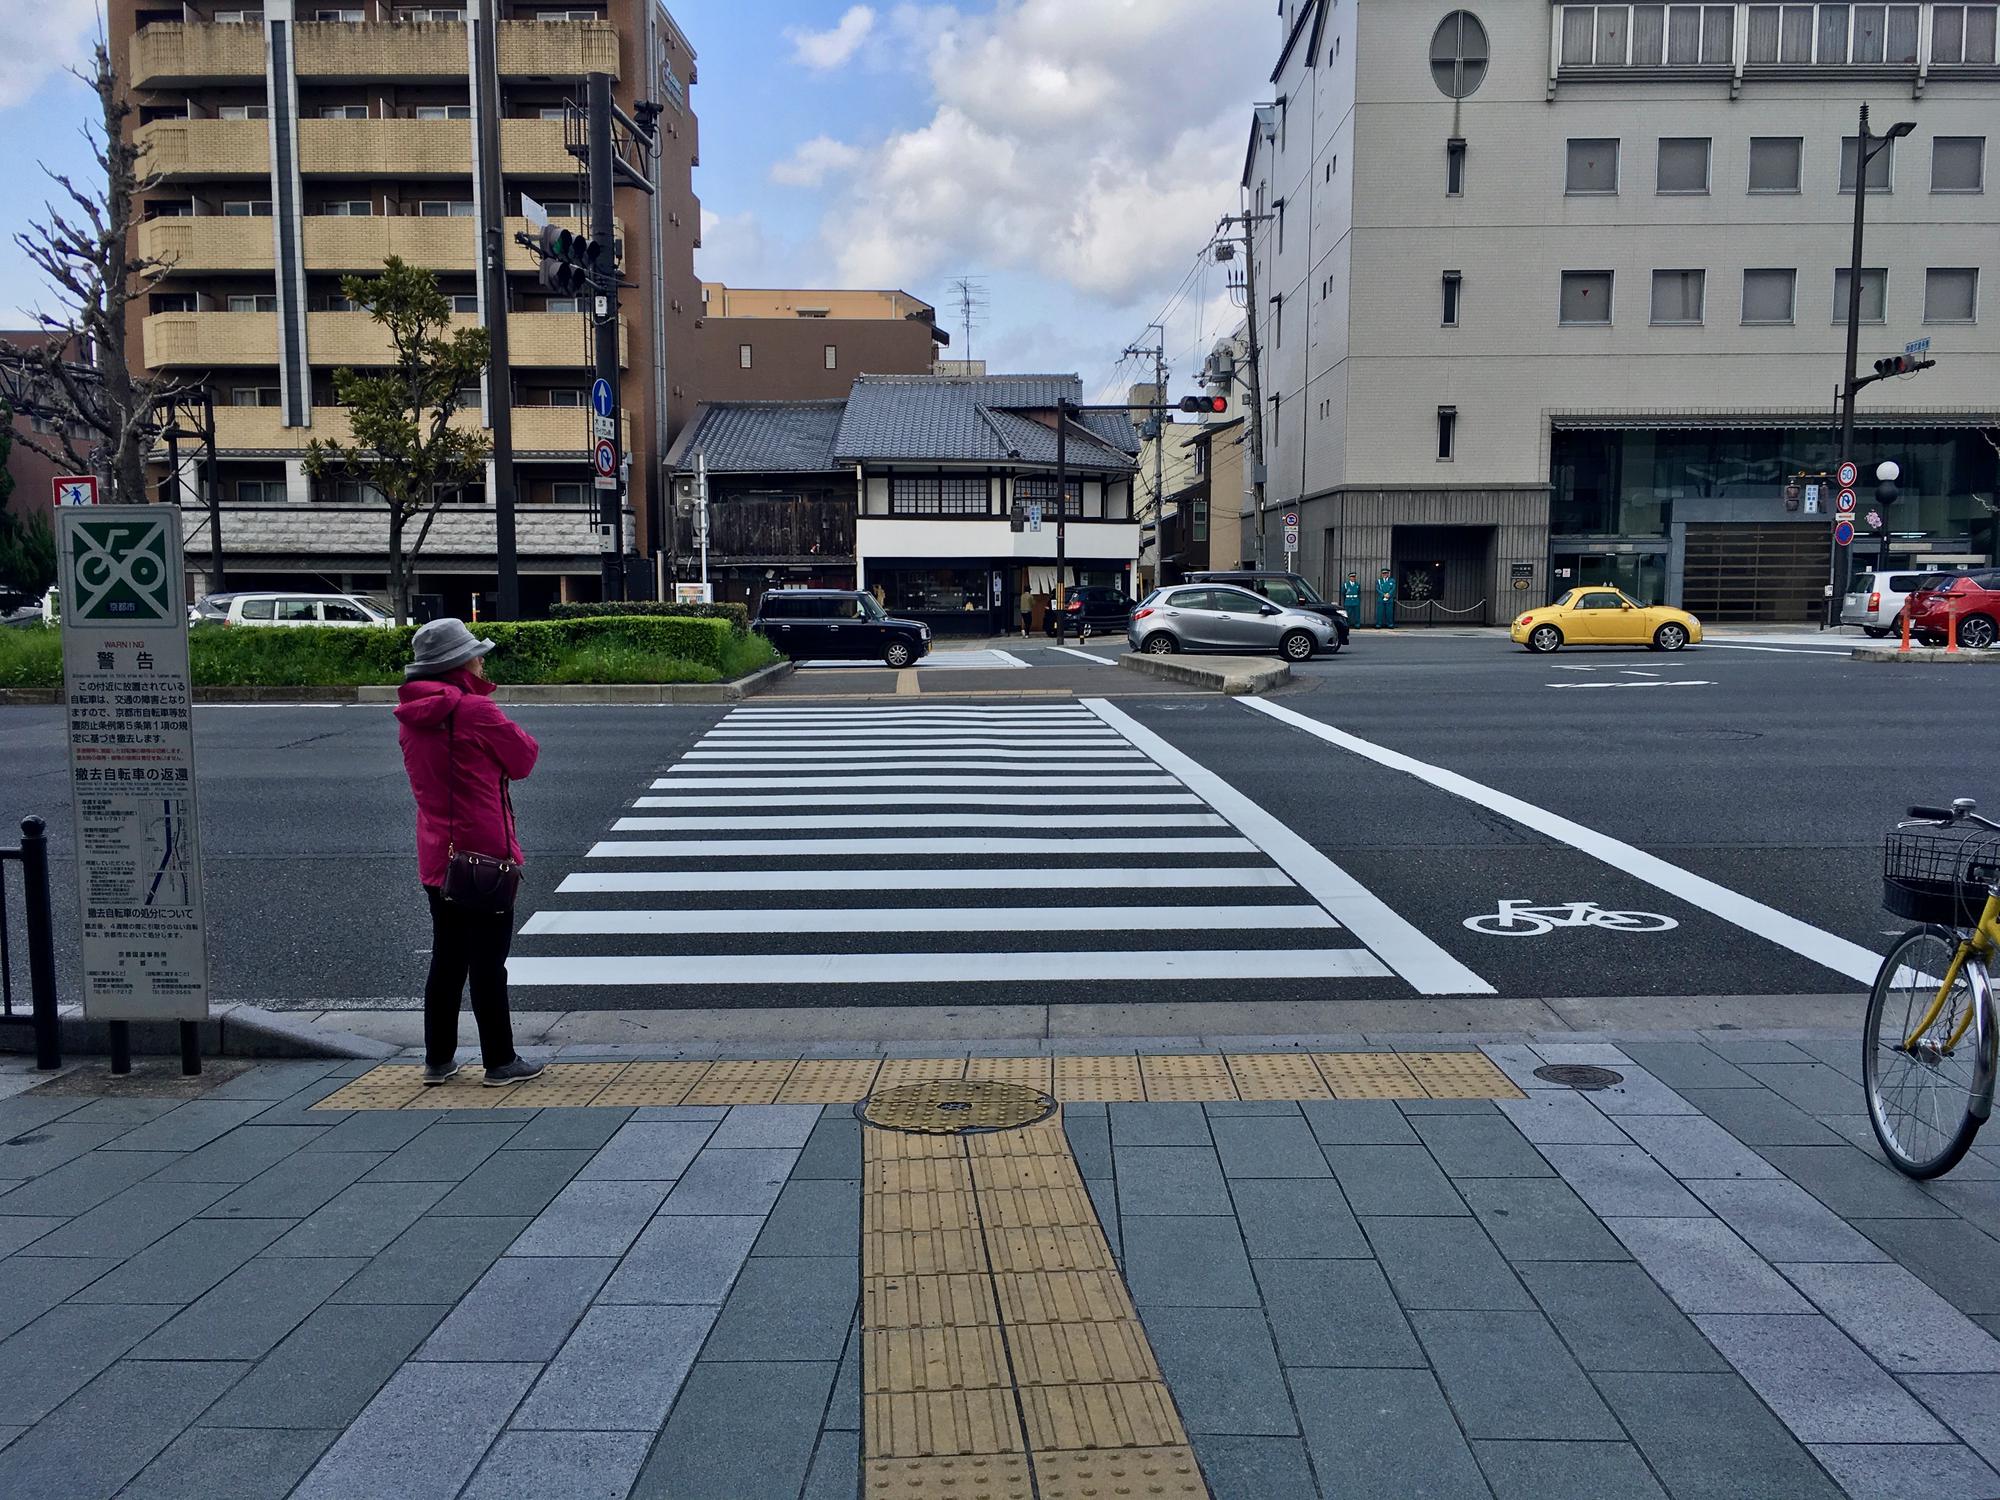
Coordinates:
(1925, 1101)
(1509, 924)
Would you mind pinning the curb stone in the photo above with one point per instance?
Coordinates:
(1233, 675)
(1964, 656)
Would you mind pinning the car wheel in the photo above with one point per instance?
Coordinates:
(1873, 632)
(1670, 636)
(1976, 631)
(1544, 638)
(1159, 643)
(898, 654)
(1296, 645)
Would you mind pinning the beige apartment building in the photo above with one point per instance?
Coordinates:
(294, 143)
(782, 344)
(1556, 293)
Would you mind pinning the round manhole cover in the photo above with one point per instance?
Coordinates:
(1579, 1075)
(955, 1106)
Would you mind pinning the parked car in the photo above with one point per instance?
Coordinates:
(1973, 597)
(1211, 617)
(293, 610)
(838, 625)
(1604, 617)
(1874, 601)
(1286, 590)
(1094, 605)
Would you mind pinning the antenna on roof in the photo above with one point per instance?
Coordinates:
(970, 294)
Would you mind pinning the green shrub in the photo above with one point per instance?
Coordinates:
(737, 615)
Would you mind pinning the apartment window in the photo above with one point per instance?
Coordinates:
(1647, 36)
(1962, 33)
(1593, 167)
(333, 302)
(1874, 294)
(566, 492)
(567, 396)
(344, 112)
(465, 302)
(939, 495)
(243, 112)
(445, 208)
(254, 395)
(1454, 282)
(1454, 169)
(239, 18)
(436, 13)
(1678, 297)
(558, 208)
(260, 302)
(562, 304)
(552, 112)
(1958, 164)
(1768, 295)
(170, 208)
(1043, 493)
(247, 208)
(832, 356)
(348, 208)
(1777, 163)
(1881, 165)
(1951, 295)
(170, 302)
(1683, 164)
(742, 356)
(1458, 54)
(1198, 521)
(450, 112)
(568, 15)
(1586, 297)
(1280, 206)
(260, 492)
(355, 16)
(1447, 433)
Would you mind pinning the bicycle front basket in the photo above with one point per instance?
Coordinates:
(1939, 874)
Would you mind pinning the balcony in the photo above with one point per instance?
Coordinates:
(351, 148)
(557, 49)
(169, 55)
(173, 55)
(205, 148)
(210, 340)
(231, 340)
(538, 430)
(209, 245)
(218, 246)
(552, 341)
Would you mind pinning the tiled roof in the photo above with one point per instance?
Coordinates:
(971, 419)
(359, 531)
(760, 437)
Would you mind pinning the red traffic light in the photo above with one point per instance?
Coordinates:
(1209, 404)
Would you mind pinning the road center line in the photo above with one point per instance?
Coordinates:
(1676, 682)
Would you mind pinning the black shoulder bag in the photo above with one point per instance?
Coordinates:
(478, 882)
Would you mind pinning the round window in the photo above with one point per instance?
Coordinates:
(1458, 54)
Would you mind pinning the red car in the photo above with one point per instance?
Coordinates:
(1973, 597)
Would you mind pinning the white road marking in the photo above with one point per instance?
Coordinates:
(898, 710)
(1780, 650)
(1058, 751)
(941, 762)
(1009, 657)
(1102, 661)
(903, 743)
(1670, 682)
(1233, 964)
(1572, 669)
(1822, 947)
(1115, 818)
(1166, 877)
(905, 729)
(932, 799)
(929, 919)
(1637, 672)
(802, 848)
(705, 783)
(1419, 960)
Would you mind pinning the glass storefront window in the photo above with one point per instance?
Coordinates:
(934, 590)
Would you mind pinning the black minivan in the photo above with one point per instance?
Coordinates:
(1285, 589)
(838, 625)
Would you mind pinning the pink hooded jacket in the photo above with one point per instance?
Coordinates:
(460, 751)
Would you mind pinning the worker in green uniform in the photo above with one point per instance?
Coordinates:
(1385, 602)
(1350, 597)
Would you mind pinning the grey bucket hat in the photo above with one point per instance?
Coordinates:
(442, 646)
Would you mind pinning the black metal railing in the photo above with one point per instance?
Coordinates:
(32, 855)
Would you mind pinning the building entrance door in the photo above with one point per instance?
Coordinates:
(1443, 574)
(1642, 575)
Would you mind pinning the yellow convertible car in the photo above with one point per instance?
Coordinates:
(1604, 617)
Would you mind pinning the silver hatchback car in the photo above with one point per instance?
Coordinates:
(1215, 617)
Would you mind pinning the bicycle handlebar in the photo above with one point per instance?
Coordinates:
(1952, 815)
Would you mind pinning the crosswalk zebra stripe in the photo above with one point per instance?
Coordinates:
(915, 744)
(947, 967)
(895, 711)
(1007, 734)
(929, 799)
(934, 763)
(1082, 778)
(700, 922)
(886, 752)
(779, 822)
(1176, 877)
(795, 848)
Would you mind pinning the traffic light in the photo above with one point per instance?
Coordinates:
(1208, 405)
(571, 264)
(1900, 364)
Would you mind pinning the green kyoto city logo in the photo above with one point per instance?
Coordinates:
(119, 571)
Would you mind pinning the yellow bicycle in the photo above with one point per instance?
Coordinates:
(1928, 1052)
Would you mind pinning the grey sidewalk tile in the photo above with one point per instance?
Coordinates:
(1445, 1106)
(766, 1125)
(619, 1371)
(1408, 1445)
(1518, 1061)
(1782, 1221)
(1694, 1146)
(1758, 1117)
(521, 1309)
(1072, 1109)
(230, 1463)
(1293, 1218)
(30, 1287)
(128, 1113)
(741, 1430)
(1969, 1405)
(1507, 1375)
(1357, 1122)
(101, 1437)
(1566, 1471)
(1688, 1065)
(1187, 1262)
(32, 1152)
(1908, 1471)
(833, 1150)
(1480, 1146)
(1614, 1317)
(444, 1153)
(297, 1109)
(1169, 1180)
(363, 1219)
(296, 1186)
(433, 1261)
(371, 1130)
(1090, 1143)
(514, 1182)
(1708, 1437)
(20, 1231)
(185, 1263)
(1813, 1087)
(1742, 1051)
(653, 1114)
(843, 1407)
(1267, 1146)
(592, 1218)
(836, 1468)
(327, 1369)
(1539, 1218)
(75, 1186)
(1444, 1263)
(560, 1129)
(1843, 1055)
(1958, 1261)
(1159, 1125)
(1977, 1201)
(569, 1465)
(1621, 1180)
(1255, 1468)
(814, 1218)
(1818, 1382)
(1561, 1117)
(1706, 1268)
(273, 1081)
(1595, 1054)
(1335, 1313)
(25, 1112)
(1853, 1184)
(743, 1180)
(241, 1154)
(62, 1351)
(1224, 1109)
(130, 1221)
(685, 1258)
(788, 1308)
(249, 1311)
(1908, 1327)
(422, 1436)
(1223, 1372)
(1393, 1180)
(190, 1126)
(1104, 1199)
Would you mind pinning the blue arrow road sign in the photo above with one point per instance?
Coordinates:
(600, 397)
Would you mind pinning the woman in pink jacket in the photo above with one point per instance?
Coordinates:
(461, 752)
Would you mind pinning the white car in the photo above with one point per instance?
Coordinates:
(1874, 601)
(351, 611)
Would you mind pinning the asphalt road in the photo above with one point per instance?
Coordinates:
(1351, 867)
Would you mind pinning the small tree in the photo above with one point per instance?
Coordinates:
(405, 446)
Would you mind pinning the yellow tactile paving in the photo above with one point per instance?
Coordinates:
(983, 1477)
(1116, 1473)
(1063, 1297)
(897, 1071)
(830, 1080)
(1044, 1139)
(898, 1146)
(991, 1173)
(1036, 1208)
(1139, 1414)
(379, 1088)
(926, 1301)
(1194, 1076)
(1276, 1075)
(1034, 1072)
(1460, 1075)
(932, 1424)
(964, 1357)
(1035, 1250)
(1368, 1075)
(1080, 1353)
(652, 1084)
(917, 1213)
(1111, 1079)
(929, 1174)
(940, 1252)
(742, 1082)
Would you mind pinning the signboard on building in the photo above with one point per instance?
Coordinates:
(693, 593)
(1523, 574)
(131, 756)
(1812, 499)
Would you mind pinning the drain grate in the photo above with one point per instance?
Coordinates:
(955, 1106)
(1579, 1075)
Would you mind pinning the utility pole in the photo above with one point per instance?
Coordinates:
(1063, 410)
(604, 309)
(1159, 353)
(212, 482)
(1224, 250)
(493, 294)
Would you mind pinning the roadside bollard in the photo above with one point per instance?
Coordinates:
(1905, 616)
(1951, 630)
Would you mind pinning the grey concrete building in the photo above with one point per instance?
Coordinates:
(1553, 294)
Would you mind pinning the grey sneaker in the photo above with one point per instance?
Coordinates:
(520, 1070)
(441, 1075)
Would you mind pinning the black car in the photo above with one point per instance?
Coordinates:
(838, 625)
(1102, 609)
(1286, 589)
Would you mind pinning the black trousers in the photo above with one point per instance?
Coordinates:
(467, 945)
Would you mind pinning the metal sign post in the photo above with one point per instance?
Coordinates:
(131, 753)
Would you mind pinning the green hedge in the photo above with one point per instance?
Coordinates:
(737, 615)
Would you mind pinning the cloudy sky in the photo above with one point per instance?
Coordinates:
(1071, 155)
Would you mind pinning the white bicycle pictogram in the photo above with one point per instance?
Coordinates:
(1524, 919)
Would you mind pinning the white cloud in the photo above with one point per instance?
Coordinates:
(732, 248)
(43, 38)
(815, 161)
(822, 50)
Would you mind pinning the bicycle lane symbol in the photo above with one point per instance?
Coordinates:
(1525, 919)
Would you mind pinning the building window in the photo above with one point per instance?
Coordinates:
(260, 302)
(1962, 33)
(742, 356)
(253, 395)
(465, 302)
(1447, 433)
(247, 208)
(354, 16)
(1586, 297)
(1678, 296)
(1454, 169)
(1454, 282)
(170, 302)
(244, 112)
(1793, 35)
(1647, 36)
(450, 112)
(1593, 167)
(260, 492)
(1458, 54)
(1768, 295)
(353, 208)
(1200, 459)
(344, 112)
(1777, 163)
(1874, 294)
(831, 354)
(1198, 520)
(1683, 164)
(445, 208)
(1958, 164)
(1042, 492)
(567, 396)
(1951, 295)
(566, 492)
(1881, 165)
(562, 304)
(937, 495)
